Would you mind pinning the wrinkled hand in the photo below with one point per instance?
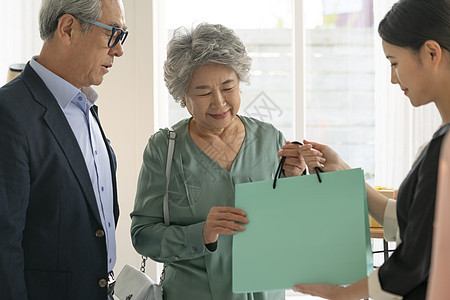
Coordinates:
(223, 220)
(322, 156)
(327, 291)
(294, 165)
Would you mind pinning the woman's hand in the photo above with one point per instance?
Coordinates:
(327, 291)
(321, 156)
(355, 291)
(223, 220)
(294, 165)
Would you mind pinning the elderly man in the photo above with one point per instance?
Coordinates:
(58, 196)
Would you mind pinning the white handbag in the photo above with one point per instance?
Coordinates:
(134, 284)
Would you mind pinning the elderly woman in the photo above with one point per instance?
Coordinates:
(214, 150)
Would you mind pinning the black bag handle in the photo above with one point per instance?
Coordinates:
(281, 164)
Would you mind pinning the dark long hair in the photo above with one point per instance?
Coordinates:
(410, 23)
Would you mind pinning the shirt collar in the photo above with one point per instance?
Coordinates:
(63, 91)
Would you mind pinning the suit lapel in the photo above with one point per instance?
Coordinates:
(112, 161)
(60, 128)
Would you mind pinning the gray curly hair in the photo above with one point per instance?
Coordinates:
(191, 49)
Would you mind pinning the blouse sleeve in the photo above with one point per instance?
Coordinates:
(390, 222)
(150, 236)
(391, 234)
(281, 139)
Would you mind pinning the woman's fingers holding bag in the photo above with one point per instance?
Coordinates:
(294, 164)
(228, 214)
(223, 220)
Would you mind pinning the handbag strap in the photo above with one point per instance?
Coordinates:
(172, 136)
(170, 149)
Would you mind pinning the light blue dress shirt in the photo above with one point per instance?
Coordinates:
(76, 106)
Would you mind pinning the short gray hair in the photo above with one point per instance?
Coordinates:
(52, 10)
(191, 49)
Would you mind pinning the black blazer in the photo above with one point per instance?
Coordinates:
(52, 244)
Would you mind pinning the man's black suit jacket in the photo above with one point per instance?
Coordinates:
(52, 244)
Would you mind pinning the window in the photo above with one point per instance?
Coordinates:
(339, 71)
(310, 79)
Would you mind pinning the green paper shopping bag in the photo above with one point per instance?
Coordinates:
(302, 231)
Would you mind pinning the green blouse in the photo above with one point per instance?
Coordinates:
(197, 184)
